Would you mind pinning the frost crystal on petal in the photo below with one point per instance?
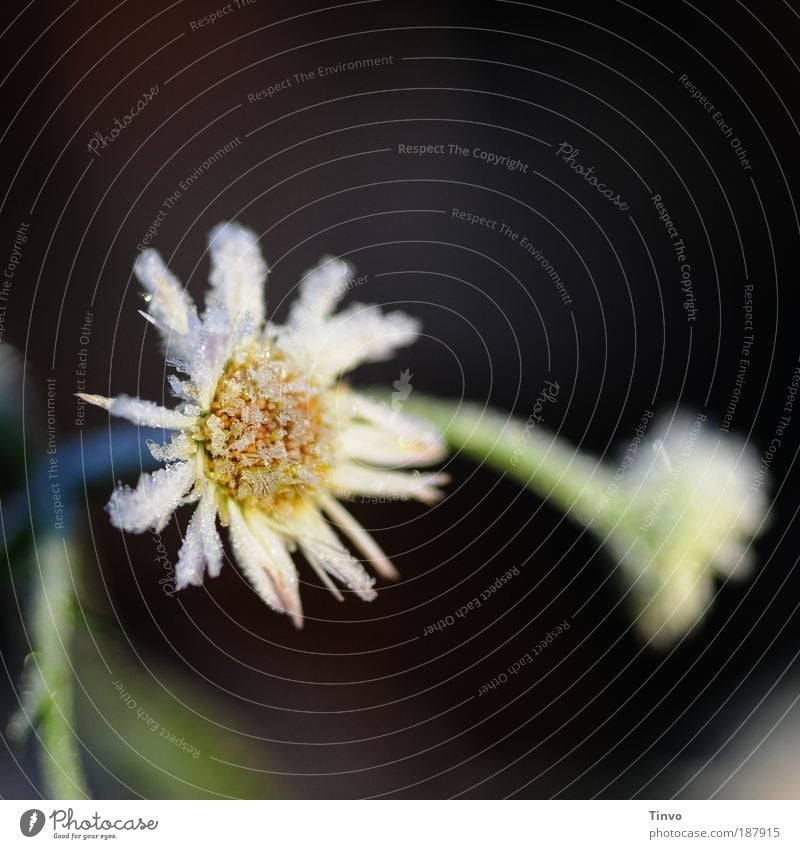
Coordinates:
(168, 304)
(202, 547)
(324, 551)
(142, 413)
(153, 501)
(321, 288)
(238, 272)
(180, 447)
(258, 564)
(349, 479)
(386, 437)
(359, 334)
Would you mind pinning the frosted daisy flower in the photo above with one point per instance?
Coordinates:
(266, 438)
(686, 512)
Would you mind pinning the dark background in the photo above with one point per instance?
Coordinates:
(360, 703)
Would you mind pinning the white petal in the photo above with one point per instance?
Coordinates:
(168, 303)
(388, 438)
(349, 479)
(255, 560)
(324, 551)
(201, 546)
(206, 516)
(347, 524)
(359, 334)
(142, 413)
(211, 348)
(282, 569)
(179, 447)
(414, 433)
(320, 290)
(238, 272)
(154, 500)
(320, 572)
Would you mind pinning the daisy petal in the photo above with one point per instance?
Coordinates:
(404, 445)
(211, 349)
(154, 500)
(206, 517)
(238, 272)
(349, 479)
(320, 290)
(168, 304)
(191, 564)
(178, 448)
(324, 551)
(282, 569)
(201, 547)
(255, 561)
(347, 524)
(409, 439)
(142, 413)
(359, 334)
(320, 572)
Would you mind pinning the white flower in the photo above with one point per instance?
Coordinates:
(266, 437)
(686, 511)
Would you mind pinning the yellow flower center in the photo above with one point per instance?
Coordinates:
(265, 439)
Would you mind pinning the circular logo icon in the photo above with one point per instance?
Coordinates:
(31, 822)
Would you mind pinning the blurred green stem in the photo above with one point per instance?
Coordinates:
(526, 451)
(48, 697)
(46, 689)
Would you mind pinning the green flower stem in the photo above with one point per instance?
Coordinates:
(574, 482)
(49, 676)
(46, 688)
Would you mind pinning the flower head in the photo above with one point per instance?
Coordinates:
(266, 438)
(686, 511)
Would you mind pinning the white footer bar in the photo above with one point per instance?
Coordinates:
(402, 824)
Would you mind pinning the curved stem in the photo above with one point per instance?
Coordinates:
(47, 688)
(47, 694)
(524, 450)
